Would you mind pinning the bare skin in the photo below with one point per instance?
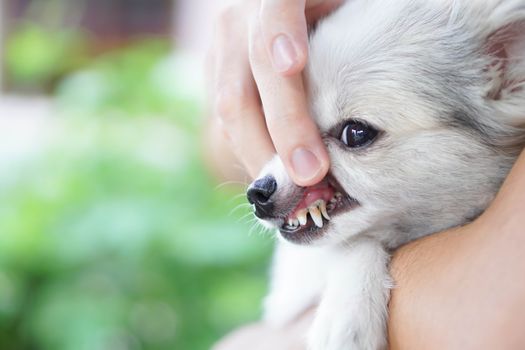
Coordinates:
(464, 288)
(459, 289)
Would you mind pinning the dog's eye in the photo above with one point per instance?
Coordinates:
(357, 134)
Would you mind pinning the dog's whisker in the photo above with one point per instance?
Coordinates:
(245, 216)
(239, 207)
(237, 197)
(229, 183)
(254, 227)
(240, 195)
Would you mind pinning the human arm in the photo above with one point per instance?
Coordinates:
(464, 288)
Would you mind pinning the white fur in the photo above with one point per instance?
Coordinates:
(443, 81)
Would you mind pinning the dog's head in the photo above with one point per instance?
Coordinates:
(421, 105)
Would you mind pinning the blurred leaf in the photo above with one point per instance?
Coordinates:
(35, 55)
(141, 80)
(117, 239)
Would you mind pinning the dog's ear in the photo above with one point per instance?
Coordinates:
(505, 51)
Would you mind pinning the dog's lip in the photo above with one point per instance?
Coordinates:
(310, 232)
(309, 195)
(329, 180)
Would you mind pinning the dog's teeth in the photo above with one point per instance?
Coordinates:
(291, 222)
(316, 216)
(338, 195)
(301, 216)
(296, 222)
(322, 207)
(333, 200)
(331, 206)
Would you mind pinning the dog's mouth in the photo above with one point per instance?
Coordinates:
(311, 216)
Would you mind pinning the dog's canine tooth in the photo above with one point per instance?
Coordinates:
(291, 223)
(301, 216)
(316, 216)
(296, 222)
(322, 207)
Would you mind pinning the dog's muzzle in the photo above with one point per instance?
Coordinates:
(260, 196)
(305, 217)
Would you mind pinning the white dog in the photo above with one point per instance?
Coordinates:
(421, 104)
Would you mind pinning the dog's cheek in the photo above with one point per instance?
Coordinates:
(360, 173)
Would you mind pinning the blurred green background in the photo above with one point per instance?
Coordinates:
(114, 235)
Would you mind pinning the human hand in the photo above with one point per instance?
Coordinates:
(259, 53)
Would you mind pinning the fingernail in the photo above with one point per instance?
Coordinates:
(284, 55)
(305, 164)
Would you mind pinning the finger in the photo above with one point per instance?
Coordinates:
(315, 10)
(294, 134)
(237, 103)
(285, 31)
(285, 34)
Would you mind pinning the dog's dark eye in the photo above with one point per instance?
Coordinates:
(357, 134)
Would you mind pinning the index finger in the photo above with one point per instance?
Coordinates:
(294, 134)
(284, 28)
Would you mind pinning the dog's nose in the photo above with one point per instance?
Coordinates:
(259, 194)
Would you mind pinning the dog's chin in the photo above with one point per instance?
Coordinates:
(331, 202)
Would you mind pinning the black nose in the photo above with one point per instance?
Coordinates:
(260, 193)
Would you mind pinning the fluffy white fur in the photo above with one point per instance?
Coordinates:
(444, 80)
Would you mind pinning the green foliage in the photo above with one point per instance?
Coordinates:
(114, 236)
(36, 56)
(142, 79)
(117, 238)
